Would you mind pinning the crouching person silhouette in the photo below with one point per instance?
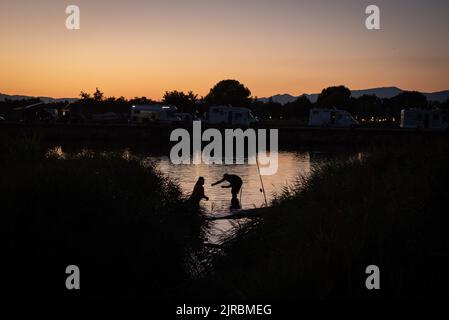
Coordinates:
(198, 193)
(235, 183)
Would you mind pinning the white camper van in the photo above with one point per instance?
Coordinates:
(154, 113)
(425, 119)
(331, 118)
(227, 115)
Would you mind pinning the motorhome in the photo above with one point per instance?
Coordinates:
(38, 112)
(425, 119)
(331, 118)
(228, 115)
(154, 113)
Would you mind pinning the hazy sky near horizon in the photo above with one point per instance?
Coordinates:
(144, 48)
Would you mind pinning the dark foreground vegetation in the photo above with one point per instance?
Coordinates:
(131, 233)
(125, 225)
(389, 210)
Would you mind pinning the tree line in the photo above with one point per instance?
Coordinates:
(236, 94)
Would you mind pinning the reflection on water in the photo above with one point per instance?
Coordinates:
(292, 164)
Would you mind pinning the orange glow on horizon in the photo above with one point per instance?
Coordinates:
(140, 48)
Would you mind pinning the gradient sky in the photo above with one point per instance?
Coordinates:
(143, 48)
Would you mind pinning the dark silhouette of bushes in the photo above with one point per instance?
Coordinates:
(389, 210)
(124, 224)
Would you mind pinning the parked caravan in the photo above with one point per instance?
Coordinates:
(331, 118)
(227, 115)
(425, 119)
(154, 113)
(38, 112)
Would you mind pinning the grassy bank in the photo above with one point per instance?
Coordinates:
(124, 224)
(390, 210)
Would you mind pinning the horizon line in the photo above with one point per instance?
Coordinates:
(253, 96)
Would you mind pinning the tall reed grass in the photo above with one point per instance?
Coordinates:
(126, 225)
(388, 209)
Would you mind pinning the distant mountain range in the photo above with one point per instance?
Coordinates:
(385, 92)
(43, 99)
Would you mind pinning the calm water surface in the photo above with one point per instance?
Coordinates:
(292, 164)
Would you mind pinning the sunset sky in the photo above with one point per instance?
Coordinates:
(144, 48)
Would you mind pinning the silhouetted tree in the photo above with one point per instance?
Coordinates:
(367, 107)
(334, 97)
(411, 99)
(141, 100)
(229, 92)
(184, 102)
(98, 95)
(97, 103)
(298, 109)
(85, 95)
(268, 110)
(404, 100)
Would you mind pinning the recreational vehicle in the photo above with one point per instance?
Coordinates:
(331, 118)
(154, 113)
(38, 112)
(425, 119)
(227, 115)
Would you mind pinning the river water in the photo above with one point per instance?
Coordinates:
(291, 165)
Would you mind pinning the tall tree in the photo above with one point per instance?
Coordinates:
(184, 102)
(338, 97)
(85, 95)
(141, 100)
(368, 106)
(298, 109)
(229, 92)
(98, 95)
(411, 99)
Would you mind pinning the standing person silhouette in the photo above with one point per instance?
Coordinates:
(235, 183)
(198, 193)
